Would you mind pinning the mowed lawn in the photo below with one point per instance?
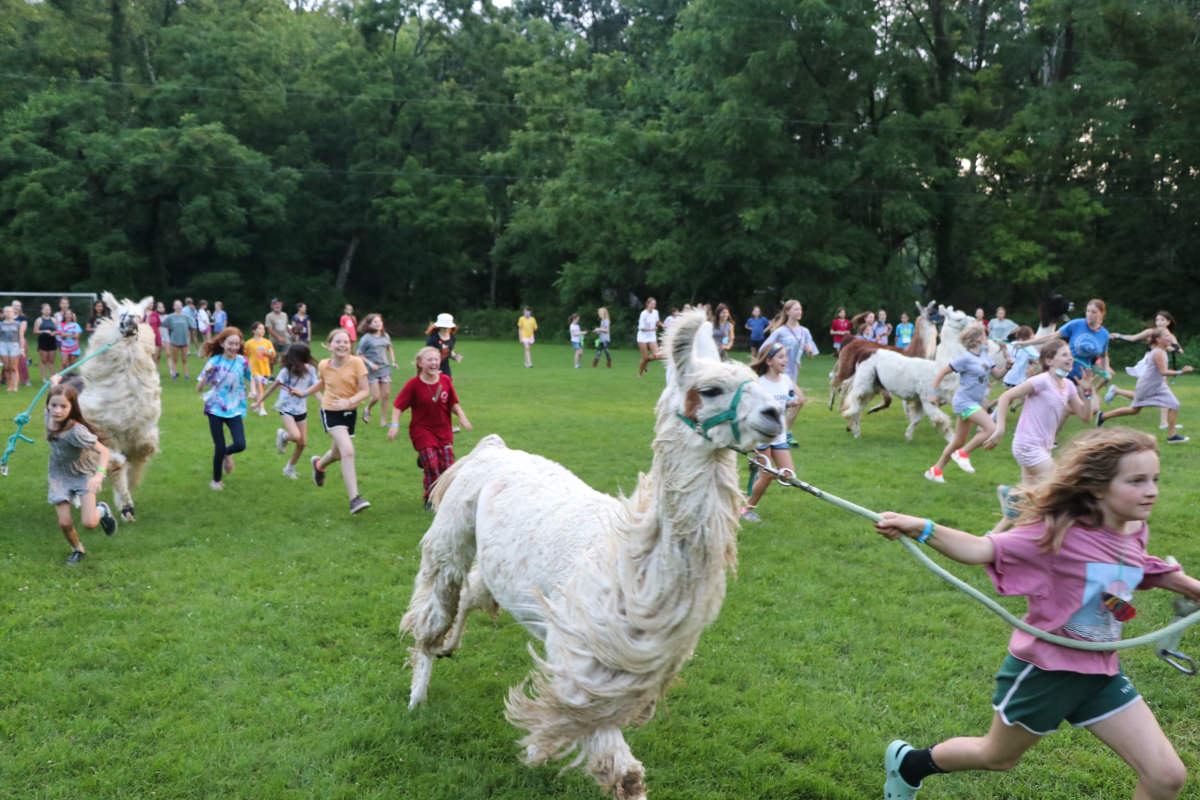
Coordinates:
(244, 644)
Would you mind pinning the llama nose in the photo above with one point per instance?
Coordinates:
(772, 415)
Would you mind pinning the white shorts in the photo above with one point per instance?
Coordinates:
(1030, 454)
(647, 337)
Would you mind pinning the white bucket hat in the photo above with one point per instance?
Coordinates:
(444, 321)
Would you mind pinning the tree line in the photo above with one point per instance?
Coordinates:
(450, 156)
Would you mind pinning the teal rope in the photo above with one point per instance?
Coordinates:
(1176, 627)
(23, 418)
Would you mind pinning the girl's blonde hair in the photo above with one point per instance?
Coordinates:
(1070, 496)
(972, 335)
(781, 317)
(424, 351)
(335, 332)
(602, 312)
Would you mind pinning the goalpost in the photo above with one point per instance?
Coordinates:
(81, 302)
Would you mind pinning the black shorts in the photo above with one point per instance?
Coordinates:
(339, 419)
(302, 417)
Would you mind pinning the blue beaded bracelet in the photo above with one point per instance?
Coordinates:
(925, 534)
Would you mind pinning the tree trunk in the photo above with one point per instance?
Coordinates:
(344, 267)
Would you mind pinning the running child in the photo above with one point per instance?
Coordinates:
(261, 354)
(1151, 388)
(1077, 557)
(973, 368)
(771, 367)
(223, 380)
(293, 381)
(1049, 397)
(343, 379)
(431, 396)
(375, 349)
(78, 464)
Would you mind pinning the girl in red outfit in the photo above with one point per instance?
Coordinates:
(432, 399)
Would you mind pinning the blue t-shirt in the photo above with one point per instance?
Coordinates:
(758, 328)
(1086, 344)
(226, 379)
(904, 334)
(972, 380)
(1022, 355)
(219, 320)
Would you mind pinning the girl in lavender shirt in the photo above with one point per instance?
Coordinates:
(1077, 557)
(1049, 396)
(973, 368)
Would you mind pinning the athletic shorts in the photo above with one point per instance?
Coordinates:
(295, 417)
(1039, 700)
(1029, 454)
(526, 339)
(263, 379)
(968, 411)
(339, 419)
(776, 445)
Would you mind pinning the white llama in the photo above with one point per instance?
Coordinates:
(910, 379)
(122, 394)
(617, 589)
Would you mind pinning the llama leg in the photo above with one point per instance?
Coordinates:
(853, 414)
(474, 595)
(914, 411)
(612, 764)
(939, 420)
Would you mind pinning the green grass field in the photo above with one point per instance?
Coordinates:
(244, 643)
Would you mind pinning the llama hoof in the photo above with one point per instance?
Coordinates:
(127, 514)
(631, 788)
(445, 654)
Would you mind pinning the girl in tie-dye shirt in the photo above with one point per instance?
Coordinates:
(223, 381)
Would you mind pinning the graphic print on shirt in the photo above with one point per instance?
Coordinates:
(1095, 621)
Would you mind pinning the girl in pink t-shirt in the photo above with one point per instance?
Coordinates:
(1077, 559)
(1049, 397)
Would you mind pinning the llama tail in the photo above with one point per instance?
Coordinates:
(447, 552)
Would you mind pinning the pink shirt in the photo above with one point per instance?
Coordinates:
(1063, 590)
(1043, 410)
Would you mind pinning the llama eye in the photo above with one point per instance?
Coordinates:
(711, 391)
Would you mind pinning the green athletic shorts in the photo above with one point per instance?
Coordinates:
(1038, 700)
(970, 410)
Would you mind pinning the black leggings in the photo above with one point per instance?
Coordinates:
(218, 436)
(603, 346)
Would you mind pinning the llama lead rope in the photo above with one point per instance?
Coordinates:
(23, 418)
(1165, 639)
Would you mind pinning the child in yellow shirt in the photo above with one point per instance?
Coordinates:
(261, 353)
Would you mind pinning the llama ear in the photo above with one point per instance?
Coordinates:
(144, 304)
(109, 301)
(690, 338)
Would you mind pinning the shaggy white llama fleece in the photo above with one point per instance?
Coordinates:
(617, 589)
(122, 394)
(911, 379)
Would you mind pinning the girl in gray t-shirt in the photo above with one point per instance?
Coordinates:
(78, 463)
(293, 381)
(375, 347)
(973, 368)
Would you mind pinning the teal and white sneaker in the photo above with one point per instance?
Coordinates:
(1110, 393)
(895, 787)
(108, 523)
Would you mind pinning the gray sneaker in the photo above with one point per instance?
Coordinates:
(107, 521)
(358, 504)
(749, 515)
(281, 440)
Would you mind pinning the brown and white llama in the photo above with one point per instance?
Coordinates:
(617, 589)
(122, 393)
(854, 351)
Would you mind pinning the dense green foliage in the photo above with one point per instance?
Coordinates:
(454, 155)
(244, 644)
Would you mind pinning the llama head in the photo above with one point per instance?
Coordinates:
(1053, 309)
(720, 400)
(127, 313)
(955, 322)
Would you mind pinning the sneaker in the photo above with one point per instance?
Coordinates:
(107, 521)
(227, 465)
(1110, 393)
(961, 458)
(358, 504)
(281, 440)
(1099, 418)
(289, 471)
(934, 474)
(318, 473)
(1176, 439)
(791, 440)
(216, 486)
(1009, 501)
(366, 415)
(262, 412)
(895, 787)
(749, 514)
(75, 557)
(428, 506)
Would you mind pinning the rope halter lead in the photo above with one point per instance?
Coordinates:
(728, 415)
(1166, 639)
